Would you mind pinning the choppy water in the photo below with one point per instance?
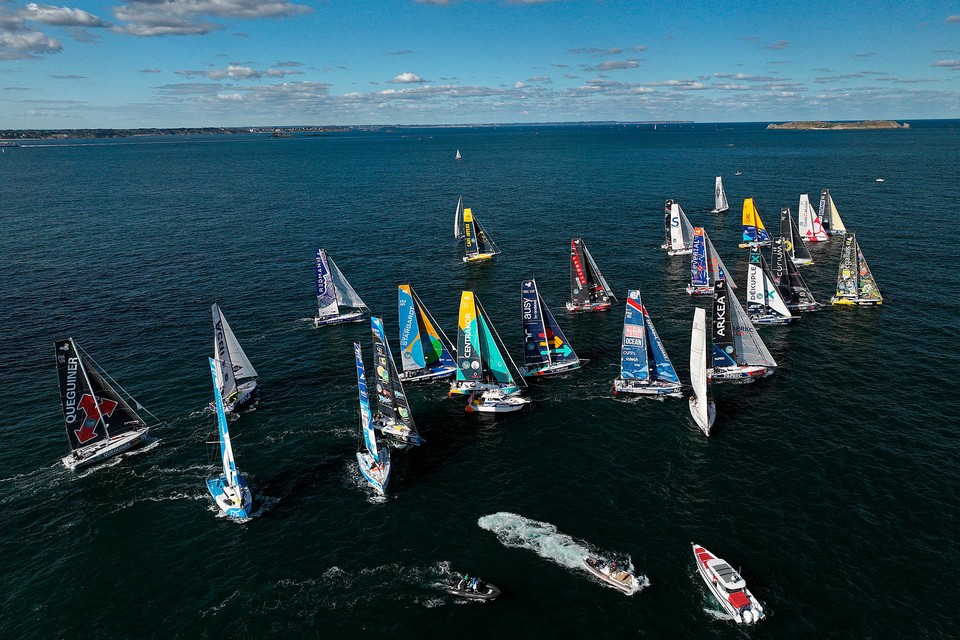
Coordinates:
(832, 484)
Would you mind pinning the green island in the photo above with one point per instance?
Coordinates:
(835, 126)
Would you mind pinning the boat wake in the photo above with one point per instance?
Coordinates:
(543, 539)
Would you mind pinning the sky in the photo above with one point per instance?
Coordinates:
(237, 63)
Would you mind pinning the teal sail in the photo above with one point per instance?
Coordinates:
(411, 344)
(493, 362)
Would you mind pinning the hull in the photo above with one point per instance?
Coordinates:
(616, 578)
(750, 245)
(398, 433)
(855, 301)
(647, 387)
(738, 602)
(813, 306)
(738, 375)
(679, 252)
(439, 373)
(466, 387)
(802, 262)
(770, 319)
(86, 456)
(235, 502)
(480, 257)
(246, 394)
(376, 475)
(719, 210)
(551, 369)
(353, 316)
(700, 291)
(586, 308)
(711, 414)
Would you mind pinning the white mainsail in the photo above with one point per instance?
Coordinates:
(811, 228)
(699, 403)
(749, 346)
(346, 295)
(761, 290)
(458, 220)
(681, 231)
(720, 197)
(233, 362)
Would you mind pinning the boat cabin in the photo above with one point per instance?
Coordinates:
(724, 575)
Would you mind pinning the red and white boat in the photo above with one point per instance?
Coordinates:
(727, 586)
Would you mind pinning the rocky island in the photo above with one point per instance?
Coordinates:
(834, 126)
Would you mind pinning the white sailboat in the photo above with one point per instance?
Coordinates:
(720, 197)
(477, 243)
(702, 407)
(809, 223)
(765, 305)
(678, 232)
(230, 491)
(238, 378)
(374, 462)
(739, 354)
(458, 156)
(334, 292)
(100, 423)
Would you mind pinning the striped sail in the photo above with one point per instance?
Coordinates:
(634, 353)
(391, 399)
(226, 449)
(699, 276)
(469, 362)
(753, 229)
(411, 344)
(366, 418)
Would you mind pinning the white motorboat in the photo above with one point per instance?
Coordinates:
(495, 401)
(611, 574)
(727, 586)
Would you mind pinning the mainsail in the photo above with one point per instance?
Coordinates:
(720, 197)
(855, 282)
(234, 364)
(478, 355)
(809, 223)
(706, 267)
(544, 345)
(735, 339)
(795, 246)
(587, 284)
(420, 339)
(788, 280)
(477, 243)
(366, 418)
(226, 449)
(764, 301)
(346, 296)
(700, 402)
(753, 230)
(829, 216)
(458, 220)
(92, 410)
(391, 400)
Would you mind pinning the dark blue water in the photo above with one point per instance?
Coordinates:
(832, 484)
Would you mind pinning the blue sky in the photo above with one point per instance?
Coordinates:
(184, 63)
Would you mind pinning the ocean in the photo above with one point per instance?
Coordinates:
(831, 484)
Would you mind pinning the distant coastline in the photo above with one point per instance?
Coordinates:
(836, 126)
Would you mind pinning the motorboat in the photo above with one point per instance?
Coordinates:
(472, 589)
(612, 574)
(727, 586)
(495, 401)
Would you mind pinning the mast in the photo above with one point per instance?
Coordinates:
(226, 449)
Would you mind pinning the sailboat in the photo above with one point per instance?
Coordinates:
(334, 292)
(477, 244)
(794, 291)
(706, 267)
(234, 365)
(374, 463)
(754, 232)
(794, 244)
(100, 423)
(424, 348)
(829, 216)
(546, 350)
(645, 367)
(739, 354)
(855, 283)
(809, 223)
(678, 232)
(480, 365)
(589, 290)
(458, 220)
(230, 491)
(765, 305)
(720, 197)
(702, 407)
(458, 156)
(393, 417)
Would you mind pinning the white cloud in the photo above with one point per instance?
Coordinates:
(191, 17)
(407, 78)
(62, 16)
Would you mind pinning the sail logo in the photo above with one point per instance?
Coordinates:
(527, 308)
(221, 345)
(720, 318)
(581, 279)
(70, 391)
(93, 413)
